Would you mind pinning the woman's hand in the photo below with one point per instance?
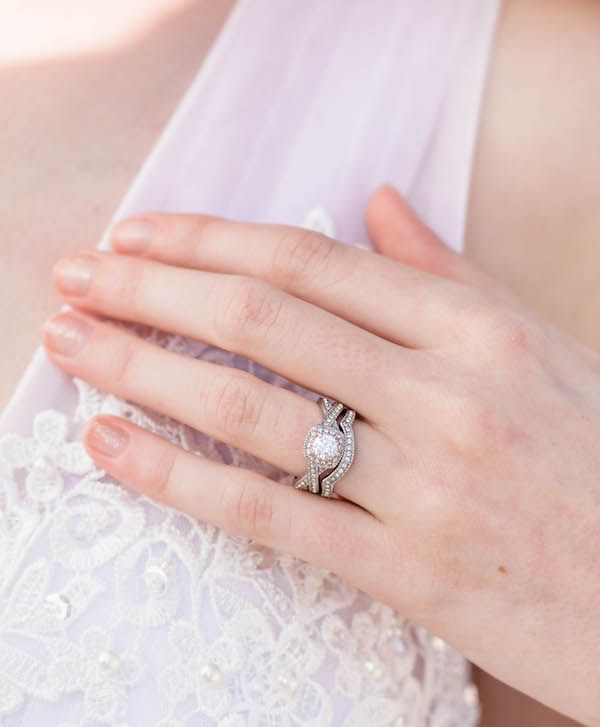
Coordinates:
(473, 505)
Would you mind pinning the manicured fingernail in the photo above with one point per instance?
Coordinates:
(66, 333)
(106, 438)
(73, 275)
(133, 235)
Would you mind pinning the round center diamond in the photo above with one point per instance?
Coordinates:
(326, 446)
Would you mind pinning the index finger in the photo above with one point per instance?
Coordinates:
(395, 301)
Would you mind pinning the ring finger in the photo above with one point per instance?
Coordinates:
(231, 405)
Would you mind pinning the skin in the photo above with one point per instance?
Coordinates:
(461, 510)
(519, 163)
(77, 122)
(533, 214)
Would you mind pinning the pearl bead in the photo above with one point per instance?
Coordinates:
(109, 661)
(287, 680)
(61, 606)
(156, 580)
(210, 673)
(373, 668)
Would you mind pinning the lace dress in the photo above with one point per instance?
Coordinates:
(117, 610)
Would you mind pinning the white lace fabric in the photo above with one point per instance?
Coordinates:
(109, 598)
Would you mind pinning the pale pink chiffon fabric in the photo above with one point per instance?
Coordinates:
(305, 104)
(314, 104)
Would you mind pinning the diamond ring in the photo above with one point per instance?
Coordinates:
(328, 449)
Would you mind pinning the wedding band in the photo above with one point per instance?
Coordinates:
(328, 448)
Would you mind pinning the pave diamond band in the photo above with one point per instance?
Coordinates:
(328, 449)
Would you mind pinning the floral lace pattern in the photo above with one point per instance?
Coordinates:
(136, 615)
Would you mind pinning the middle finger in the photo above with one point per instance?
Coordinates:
(267, 421)
(250, 317)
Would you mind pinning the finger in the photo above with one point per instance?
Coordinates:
(232, 406)
(397, 232)
(332, 534)
(298, 340)
(392, 300)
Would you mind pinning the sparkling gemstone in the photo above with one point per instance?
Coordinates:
(325, 446)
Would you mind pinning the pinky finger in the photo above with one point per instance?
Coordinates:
(331, 533)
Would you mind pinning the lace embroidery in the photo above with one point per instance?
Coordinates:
(115, 601)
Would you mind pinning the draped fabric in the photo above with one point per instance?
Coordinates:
(116, 610)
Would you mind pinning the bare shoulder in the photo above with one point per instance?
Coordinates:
(534, 214)
(85, 91)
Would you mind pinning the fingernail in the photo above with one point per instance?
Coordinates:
(133, 235)
(73, 275)
(106, 438)
(66, 334)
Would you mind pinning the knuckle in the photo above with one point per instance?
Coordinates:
(300, 255)
(236, 406)
(358, 355)
(248, 508)
(505, 330)
(497, 330)
(478, 428)
(251, 308)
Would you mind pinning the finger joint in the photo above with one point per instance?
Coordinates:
(252, 309)
(301, 256)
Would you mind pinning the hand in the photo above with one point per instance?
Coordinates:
(473, 505)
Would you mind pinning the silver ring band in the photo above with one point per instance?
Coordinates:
(329, 449)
